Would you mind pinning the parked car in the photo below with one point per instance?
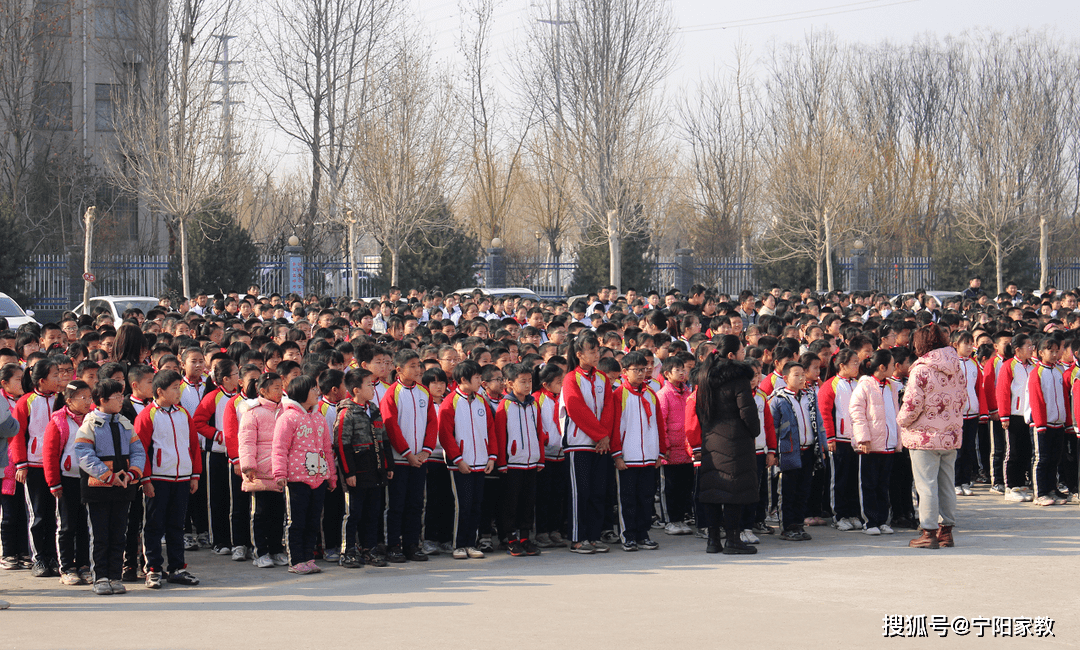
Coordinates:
(118, 304)
(940, 296)
(502, 292)
(14, 314)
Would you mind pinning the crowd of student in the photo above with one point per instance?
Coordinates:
(283, 430)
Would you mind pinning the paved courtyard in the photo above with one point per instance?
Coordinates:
(834, 591)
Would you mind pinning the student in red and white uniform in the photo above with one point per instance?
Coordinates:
(412, 425)
(209, 419)
(587, 415)
(991, 369)
(234, 410)
(1050, 415)
(467, 436)
(520, 448)
(552, 484)
(61, 467)
(774, 381)
(834, 398)
(1012, 403)
(193, 390)
(974, 414)
(332, 390)
(1069, 470)
(639, 446)
(173, 466)
(765, 446)
(33, 412)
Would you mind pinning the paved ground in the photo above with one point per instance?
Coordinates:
(1010, 561)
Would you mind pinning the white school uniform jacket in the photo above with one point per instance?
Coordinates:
(410, 420)
(172, 445)
(1012, 394)
(517, 433)
(467, 431)
(548, 405)
(639, 433)
(586, 414)
(191, 395)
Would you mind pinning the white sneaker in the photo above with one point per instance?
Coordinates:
(1015, 495)
(474, 553)
(1045, 500)
(460, 554)
(959, 491)
(673, 529)
(430, 548)
(966, 487)
(263, 561)
(748, 537)
(280, 559)
(873, 530)
(886, 529)
(239, 553)
(844, 524)
(685, 528)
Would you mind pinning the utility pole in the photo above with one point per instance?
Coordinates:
(558, 24)
(226, 101)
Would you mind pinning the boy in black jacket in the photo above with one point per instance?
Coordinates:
(363, 458)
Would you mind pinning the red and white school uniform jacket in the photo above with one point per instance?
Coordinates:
(772, 382)
(58, 457)
(410, 419)
(209, 418)
(976, 393)
(639, 437)
(834, 402)
(518, 438)
(1048, 398)
(328, 411)
(547, 404)
(33, 411)
(191, 396)
(990, 374)
(1012, 394)
(234, 410)
(467, 431)
(172, 445)
(586, 409)
(381, 389)
(1070, 371)
(766, 438)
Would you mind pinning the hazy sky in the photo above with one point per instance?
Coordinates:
(710, 30)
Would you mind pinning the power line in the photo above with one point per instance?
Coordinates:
(795, 15)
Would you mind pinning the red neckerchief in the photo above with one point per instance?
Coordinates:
(640, 392)
(587, 374)
(550, 394)
(74, 416)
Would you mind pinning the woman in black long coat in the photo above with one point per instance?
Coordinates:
(728, 477)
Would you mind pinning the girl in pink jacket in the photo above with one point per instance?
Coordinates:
(255, 442)
(677, 473)
(303, 464)
(875, 434)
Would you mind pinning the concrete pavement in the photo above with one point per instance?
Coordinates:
(1011, 560)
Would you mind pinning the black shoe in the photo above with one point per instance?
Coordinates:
(182, 577)
(11, 563)
(414, 554)
(394, 555)
(761, 528)
(130, 574)
(373, 558)
(515, 548)
(735, 546)
(350, 561)
(485, 545)
(714, 540)
(530, 547)
(803, 535)
(43, 569)
(792, 535)
(648, 545)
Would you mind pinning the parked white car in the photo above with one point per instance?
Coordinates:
(118, 305)
(14, 314)
(501, 292)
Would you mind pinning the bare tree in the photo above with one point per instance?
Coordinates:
(609, 58)
(404, 151)
(722, 127)
(167, 127)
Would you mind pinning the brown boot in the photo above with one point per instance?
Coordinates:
(927, 540)
(944, 536)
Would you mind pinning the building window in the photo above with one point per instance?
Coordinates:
(106, 99)
(53, 18)
(122, 211)
(53, 107)
(115, 19)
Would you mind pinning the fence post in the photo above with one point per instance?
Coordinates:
(295, 260)
(495, 274)
(73, 257)
(860, 272)
(684, 269)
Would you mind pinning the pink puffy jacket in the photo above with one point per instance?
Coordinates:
(673, 410)
(303, 447)
(932, 416)
(870, 414)
(256, 443)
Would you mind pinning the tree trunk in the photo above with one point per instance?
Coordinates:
(88, 247)
(614, 250)
(395, 257)
(998, 270)
(1044, 253)
(354, 278)
(828, 250)
(819, 280)
(186, 276)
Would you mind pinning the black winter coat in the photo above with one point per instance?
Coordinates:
(728, 471)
